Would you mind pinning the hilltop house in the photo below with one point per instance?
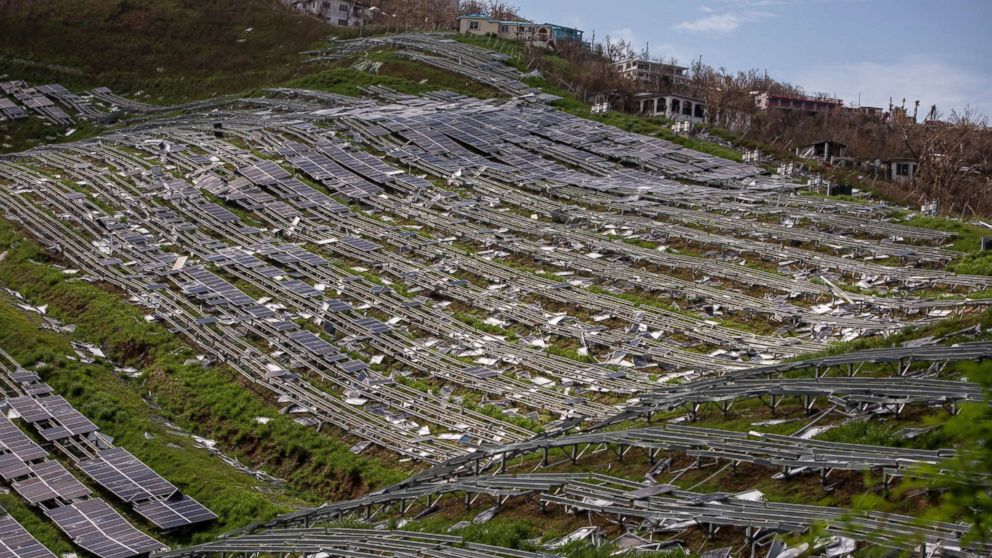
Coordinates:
(343, 13)
(803, 103)
(538, 34)
(671, 106)
(651, 72)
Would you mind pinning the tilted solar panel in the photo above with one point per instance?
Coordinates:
(126, 476)
(16, 542)
(174, 512)
(96, 527)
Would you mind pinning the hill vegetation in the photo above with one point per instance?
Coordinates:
(172, 50)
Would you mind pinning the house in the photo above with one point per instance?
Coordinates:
(651, 72)
(901, 170)
(538, 34)
(343, 13)
(803, 103)
(671, 106)
(825, 150)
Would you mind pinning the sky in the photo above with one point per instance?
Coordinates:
(938, 51)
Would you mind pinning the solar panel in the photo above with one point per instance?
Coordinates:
(337, 305)
(16, 542)
(314, 344)
(16, 442)
(300, 288)
(125, 476)
(97, 528)
(50, 481)
(174, 512)
(219, 213)
(373, 325)
(11, 467)
(360, 244)
(481, 372)
(353, 366)
(66, 420)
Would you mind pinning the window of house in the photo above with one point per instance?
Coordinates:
(902, 169)
(343, 8)
(687, 108)
(676, 106)
(700, 111)
(473, 25)
(343, 22)
(504, 28)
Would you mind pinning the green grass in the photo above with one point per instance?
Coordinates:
(172, 50)
(480, 325)
(21, 135)
(874, 433)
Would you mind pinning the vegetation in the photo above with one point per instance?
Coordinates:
(395, 72)
(168, 50)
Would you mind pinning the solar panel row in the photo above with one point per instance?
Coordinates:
(95, 526)
(125, 476)
(63, 420)
(16, 542)
(175, 512)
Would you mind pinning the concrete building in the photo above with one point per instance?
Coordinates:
(651, 72)
(538, 34)
(671, 106)
(343, 13)
(827, 151)
(804, 103)
(902, 170)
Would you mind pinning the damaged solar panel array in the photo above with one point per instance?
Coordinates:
(44, 482)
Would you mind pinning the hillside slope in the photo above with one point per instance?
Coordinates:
(170, 49)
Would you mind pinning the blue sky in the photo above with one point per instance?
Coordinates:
(938, 51)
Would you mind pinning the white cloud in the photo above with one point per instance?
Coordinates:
(657, 49)
(929, 81)
(722, 22)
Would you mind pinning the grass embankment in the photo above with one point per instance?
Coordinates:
(395, 72)
(210, 402)
(172, 50)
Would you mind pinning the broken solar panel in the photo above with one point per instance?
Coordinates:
(175, 512)
(317, 166)
(97, 528)
(337, 305)
(219, 213)
(353, 366)
(360, 244)
(125, 476)
(223, 291)
(300, 288)
(16, 542)
(50, 480)
(481, 372)
(65, 420)
(314, 344)
(373, 325)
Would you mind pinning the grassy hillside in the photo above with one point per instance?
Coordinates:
(213, 404)
(170, 49)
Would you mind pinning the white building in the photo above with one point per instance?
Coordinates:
(671, 106)
(651, 72)
(343, 13)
